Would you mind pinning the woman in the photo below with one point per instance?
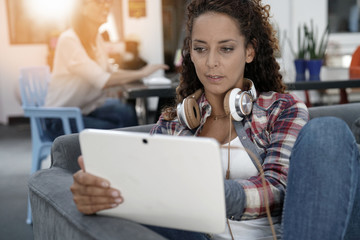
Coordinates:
(82, 75)
(229, 42)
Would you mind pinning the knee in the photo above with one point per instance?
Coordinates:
(324, 133)
(322, 141)
(325, 127)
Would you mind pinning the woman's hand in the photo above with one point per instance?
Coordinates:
(151, 68)
(126, 76)
(91, 193)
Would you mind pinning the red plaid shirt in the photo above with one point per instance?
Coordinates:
(273, 126)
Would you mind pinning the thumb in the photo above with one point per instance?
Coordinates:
(81, 163)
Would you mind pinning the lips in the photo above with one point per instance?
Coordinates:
(214, 77)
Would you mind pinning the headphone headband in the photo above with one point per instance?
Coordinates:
(238, 103)
(252, 89)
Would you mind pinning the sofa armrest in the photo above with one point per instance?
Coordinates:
(54, 212)
(348, 112)
(65, 151)
(55, 215)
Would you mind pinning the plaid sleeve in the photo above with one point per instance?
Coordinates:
(165, 127)
(284, 124)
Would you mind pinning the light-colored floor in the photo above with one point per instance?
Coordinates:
(15, 162)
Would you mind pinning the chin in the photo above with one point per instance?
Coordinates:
(217, 91)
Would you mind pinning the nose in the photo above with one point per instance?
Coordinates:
(107, 6)
(212, 60)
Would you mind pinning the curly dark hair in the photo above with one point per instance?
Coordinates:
(253, 22)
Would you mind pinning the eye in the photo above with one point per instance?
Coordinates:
(227, 49)
(199, 49)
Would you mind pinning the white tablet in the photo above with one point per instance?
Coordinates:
(167, 181)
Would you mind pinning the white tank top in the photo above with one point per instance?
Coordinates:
(242, 167)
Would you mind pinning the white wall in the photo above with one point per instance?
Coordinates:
(150, 32)
(12, 58)
(148, 29)
(281, 18)
(288, 15)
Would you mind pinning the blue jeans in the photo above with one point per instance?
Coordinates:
(323, 190)
(174, 234)
(112, 114)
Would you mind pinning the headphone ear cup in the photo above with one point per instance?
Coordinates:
(192, 112)
(230, 103)
(227, 103)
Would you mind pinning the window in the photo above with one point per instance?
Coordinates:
(344, 16)
(35, 21)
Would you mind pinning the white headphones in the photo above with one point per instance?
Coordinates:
(238, 103)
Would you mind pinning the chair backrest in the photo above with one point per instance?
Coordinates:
(33, 85)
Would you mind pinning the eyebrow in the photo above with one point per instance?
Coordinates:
(222, 41)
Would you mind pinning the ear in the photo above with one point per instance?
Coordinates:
(250, 53)
(84, 11)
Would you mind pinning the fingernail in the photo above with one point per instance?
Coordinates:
(105, 184)
(115, 194)
(118, 200)
(114, 205)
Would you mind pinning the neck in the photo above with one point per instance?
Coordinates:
(92, 31)
(218, 117)
(217, 105)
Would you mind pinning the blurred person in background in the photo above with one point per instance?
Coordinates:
(82, 75)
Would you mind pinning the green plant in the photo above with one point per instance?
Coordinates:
(301, 44)
(316, 49)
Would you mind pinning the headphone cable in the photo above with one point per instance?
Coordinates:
(262, 175)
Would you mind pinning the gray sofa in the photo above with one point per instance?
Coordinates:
(55, 215)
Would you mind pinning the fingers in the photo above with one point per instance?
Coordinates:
(164, 66)
(84, 178)
(92, 193)
(157, 66)
(91, 209)
(97, 200)
(151, 68)
(91, 204)
(92, 190)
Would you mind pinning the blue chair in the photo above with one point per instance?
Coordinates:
(33, 89)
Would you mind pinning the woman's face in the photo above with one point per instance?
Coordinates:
(218, 52)
(97, 11)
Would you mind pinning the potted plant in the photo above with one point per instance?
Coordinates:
(316, 50)
(300, 55)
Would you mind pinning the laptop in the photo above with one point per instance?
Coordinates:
(167, 181)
